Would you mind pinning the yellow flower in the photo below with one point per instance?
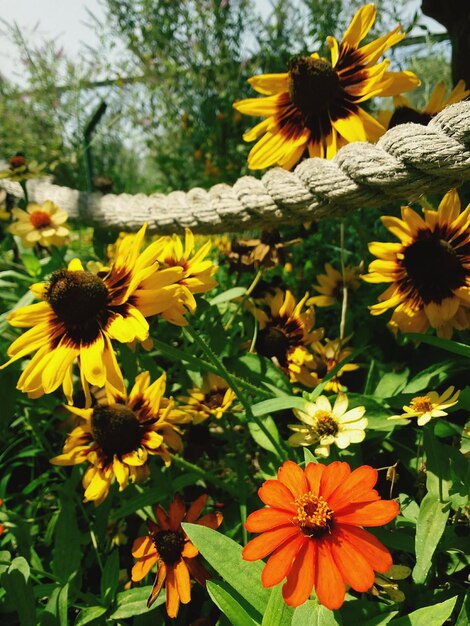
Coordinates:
(82, 312)
(325, 426)
(327, 356)
(116, 438)
(285, 333)
(429, 406)
(428, 270)
(214, 399)
(197, 271)
(315, 106)
(331, 285)
(404, 111)
(41, 224)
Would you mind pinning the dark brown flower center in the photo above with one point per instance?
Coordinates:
(215, 398)
(313, 85)
(403, 115)
(76, 297)
(116, 429)
(271, 342)
(40, 219)
(169, 545)
(434, 267)
(325, 425)
(314, 517)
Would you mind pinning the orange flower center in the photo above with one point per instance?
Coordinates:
(421, 404)
(40, 219)
(169, 545)
(314, 517)
(326, 425)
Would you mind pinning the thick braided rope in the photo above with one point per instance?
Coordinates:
(408, 161)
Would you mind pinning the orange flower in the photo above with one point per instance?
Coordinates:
(312, 527)
(168, 546)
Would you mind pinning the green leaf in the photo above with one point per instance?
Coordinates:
(434, 615)
(438, 480)
(224, 555)
(260, 437)
(381, 620)
(19, 591)
(134, 602)
(463, 618)
(431, 377)
(309, 457)
(391, 383)
(444, 344)
(229, 294)
(31, 263)
(230, 603)
(110, 577)
(67, 552)
(277, 404)
(313, 614)
(277, 612)
(429, 529)
(89, 615)
(260, 371)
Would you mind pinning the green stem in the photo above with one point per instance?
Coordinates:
(207, 476)
(224, 373)
(246, 295)
(344, 305)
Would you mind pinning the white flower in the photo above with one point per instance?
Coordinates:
(40, 224)
(429, 406)
(326, 426)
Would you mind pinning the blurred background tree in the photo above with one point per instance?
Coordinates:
(169, 73)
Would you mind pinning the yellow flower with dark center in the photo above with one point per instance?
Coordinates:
(82, 312)
(286, 331)
(197, 271)
(213, 399)
(315, 106)
(429, 406)
(117, 438)
(331, 285)
(325, 425)
(405, 112)
(41, 224)
(429, 269)
(328, 354)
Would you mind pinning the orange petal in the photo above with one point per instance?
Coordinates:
(196, 508)
(172, 596)
(280, 562)
(211, 520)
(264, 519)
(329, 584)
(369, 546)
(293, 477)
(356, 486)
(301, 577)
(162, 518)
(198, 571)
(176, 512)
(143, 547)
(266, 543)
(334, 475)
(352, 565)
(183, 583)
(313, 474)
(143, 567)
(189, 550)
(277, 495)
(370, 514)
(158, 584)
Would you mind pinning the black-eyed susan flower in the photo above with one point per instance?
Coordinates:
(405, 112)
(328, 354)
(324, 425)
(316, 104)
(429, 406)
(330, 285)
(428, 270)
(312, 528)
(81, 312)
(197, 271)
(285, 333)
(41, 224)
(168, 547)
(117, 437)
(213, 399)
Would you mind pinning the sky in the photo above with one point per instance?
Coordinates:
(66, 22)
